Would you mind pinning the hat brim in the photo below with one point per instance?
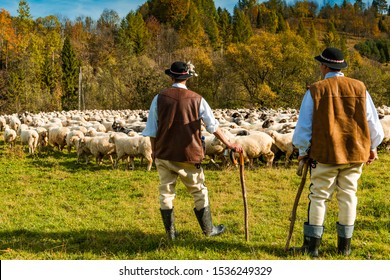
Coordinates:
(337, 66)
(177, 77)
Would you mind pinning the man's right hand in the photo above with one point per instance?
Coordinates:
(372, 158)
(236, 147)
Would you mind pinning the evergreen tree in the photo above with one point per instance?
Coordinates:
(210, 22)
(301, 31)
(225, 27)
(192, 32)
(24, 10)
(331, 38)
(272, 21)
(242, 29)
(282, 24)
(380, 6)
(134, 31)
(359, 6)
(70, 76)
(313, 40)
(24, 20)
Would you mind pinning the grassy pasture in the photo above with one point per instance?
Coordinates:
(52, 207)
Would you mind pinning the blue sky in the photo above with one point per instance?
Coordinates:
(92, 8)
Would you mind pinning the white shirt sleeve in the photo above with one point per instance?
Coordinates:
(151, 124)
(303, 130)
(374, 125)
(207, 115)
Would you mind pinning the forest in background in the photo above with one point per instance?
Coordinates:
(259, 56)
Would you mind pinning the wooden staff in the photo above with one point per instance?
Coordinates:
(243, 188)
(303, 164)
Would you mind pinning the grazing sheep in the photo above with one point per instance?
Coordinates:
(213, 150)
(131, 147)
(284, 143)
(98, 146)
(57, 137)
(9, 136)
(29, 137)
(254, 145)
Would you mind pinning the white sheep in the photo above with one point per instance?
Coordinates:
(284, 144)
(20, 128)
(254, 145)
(9, 136)
(43, 139)
(72, 138)
(385, 122)
(29, 137)
(213, 150)
(91, 131)
(2, 123)
(14, 123)
(57, 137)
(98, 146)
(131, 147)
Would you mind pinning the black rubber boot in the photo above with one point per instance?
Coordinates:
(312, 240)
(344, 236)
(204, 218)
(169, 223)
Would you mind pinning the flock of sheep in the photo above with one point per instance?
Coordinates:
(263, 133)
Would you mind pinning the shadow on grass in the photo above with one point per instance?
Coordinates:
(132, 244)
(95, 242)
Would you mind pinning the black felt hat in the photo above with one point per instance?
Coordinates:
(179, 70)
(333, 58)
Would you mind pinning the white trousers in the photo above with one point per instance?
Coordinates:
(325, 179)
(192, 177)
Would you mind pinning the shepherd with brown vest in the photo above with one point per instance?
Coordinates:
(339, 130)
(174, 127)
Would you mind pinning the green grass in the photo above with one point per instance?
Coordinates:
(55, 208)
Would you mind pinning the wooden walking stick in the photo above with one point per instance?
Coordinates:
(303, 164)
(243, 188)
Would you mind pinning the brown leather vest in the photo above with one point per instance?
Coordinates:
(179, 126)
(340, 129)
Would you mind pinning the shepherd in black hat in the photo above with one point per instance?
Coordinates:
(181, 71)
(332, 58)
(338, 130)
(174, 128)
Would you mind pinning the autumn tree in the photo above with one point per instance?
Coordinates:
(8, 38)
(273, 68)
(172, 12)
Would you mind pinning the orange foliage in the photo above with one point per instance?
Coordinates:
(8, 37)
